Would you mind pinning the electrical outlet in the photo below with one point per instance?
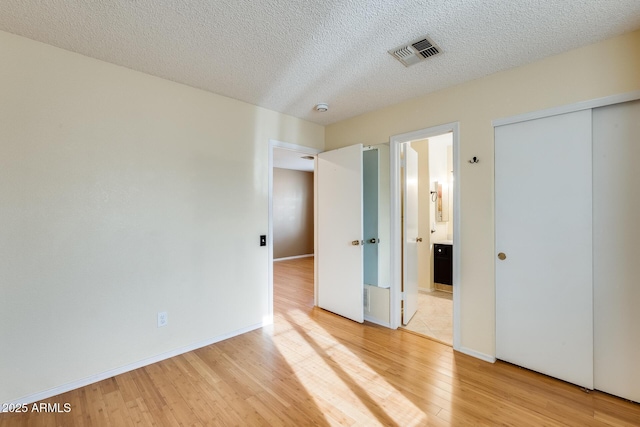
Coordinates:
(163, 319)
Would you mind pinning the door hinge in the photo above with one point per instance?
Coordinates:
(403, 296)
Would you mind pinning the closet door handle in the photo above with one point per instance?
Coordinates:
(419, 239)
(374, 240)
(356, 243)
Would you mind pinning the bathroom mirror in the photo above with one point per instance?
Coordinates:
(442, 201)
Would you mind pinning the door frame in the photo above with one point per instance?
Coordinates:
(302, 150)
(396, 221)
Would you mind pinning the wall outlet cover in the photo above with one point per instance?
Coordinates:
(163, 319)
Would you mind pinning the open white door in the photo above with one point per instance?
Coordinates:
(543, 214)
(340, 287)
(410, 235)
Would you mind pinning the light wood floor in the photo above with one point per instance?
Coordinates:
(316, 368)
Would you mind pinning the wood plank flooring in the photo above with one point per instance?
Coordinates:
(315, 368)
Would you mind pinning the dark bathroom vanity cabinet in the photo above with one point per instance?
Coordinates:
(443, 263)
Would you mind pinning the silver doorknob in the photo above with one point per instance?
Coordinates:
(356, 243)
(502, 256)
(418, 239)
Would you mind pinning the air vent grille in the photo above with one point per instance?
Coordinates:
(425, 48)
(416, 51)
(404, 52)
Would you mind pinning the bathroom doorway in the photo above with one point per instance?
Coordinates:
(436, 266)
(434, 315)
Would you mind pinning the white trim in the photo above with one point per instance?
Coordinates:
(570, 108)
(294, 147)
(476, 354)
(376, 321)
(396, 233)
(315, 232)
(300, 149)
(292, 257)
(457, 248)
(36, 397)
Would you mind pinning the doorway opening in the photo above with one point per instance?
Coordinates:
(433, 268)
(425, 230)
(291, 205)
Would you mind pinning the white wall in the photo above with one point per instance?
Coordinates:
(122, 195)
(376, 307)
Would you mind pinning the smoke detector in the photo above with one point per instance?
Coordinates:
(322, 107)
(416, 51)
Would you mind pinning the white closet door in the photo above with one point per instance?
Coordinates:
(616, 239)
(543, 211)
(410, 235)
(340, 287)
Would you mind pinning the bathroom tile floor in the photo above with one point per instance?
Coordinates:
(434, 317)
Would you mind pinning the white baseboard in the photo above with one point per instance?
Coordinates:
(476, 354)
(292, 257)
(130, 367)
(377, 322)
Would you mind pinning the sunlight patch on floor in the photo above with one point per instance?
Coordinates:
(344, 387)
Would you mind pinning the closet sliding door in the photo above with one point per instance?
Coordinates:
(616, 246)
(543, 225)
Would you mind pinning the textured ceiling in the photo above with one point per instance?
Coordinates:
(288, 55)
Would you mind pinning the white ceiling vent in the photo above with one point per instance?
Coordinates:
(416, 51)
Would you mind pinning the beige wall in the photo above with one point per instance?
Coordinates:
(122, 195)
(598, 70)
(292, 213)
